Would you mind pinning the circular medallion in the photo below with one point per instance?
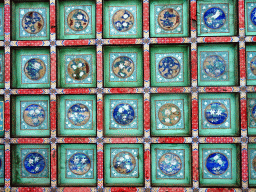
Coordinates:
(254, 163)
(34, 163)
(79, 163)
(253, 113)
(170, 164)
(214, 18)
(253, 16)
(168, 19)
(253, 65)
(123, 20)
(34, 115)
(34, 69)
(78, 69)
(214, 66)
(123, 67)
(217, 163)
(78, 114)
(124, 162)
(216, 113)
(32, 22)
(169, 114)
(123, 114)
(78, 20)
(169, 67)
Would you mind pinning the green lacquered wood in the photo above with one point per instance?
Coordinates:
(125, 49)
(235, 181)
(123, 132)
(16, 117)
(187, 111)
(16, 178)
(232, 17)
(16, 5)
(62, 180)
(233, 64)
(108, 181)
(185, 21)
(61, 115)
(234, 102)
(60, 18)
(61, 52)
(165, 49)
(187, 163)
(106, 21)
(16, 66)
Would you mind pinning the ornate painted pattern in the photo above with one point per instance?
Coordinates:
(251, 16)
(214, 65)
(124, 163)
(78, 114)
(34, 163)
(2, 167)
(170, 164)
(2, 68)
(123, 20)
(123, 67)
(251, 65)
(252, 163)
(168, 19)
(35, 69)
(34, 115)
(79, 164)
(78, 69)
(169, 67)
(1, 21)
(217, 163)
(33, 22)
(169, 114)
(124, 114)
(215, 114)
(251, 113)
(214, 18)
(78, 20)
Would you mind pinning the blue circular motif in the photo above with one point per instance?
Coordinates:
(214, 66)
(170, 164)
(253, 16)
(79, 163)
(214, 18)
(254, 112)
(217, 163)
(169, 67)
(34, 69)
(216, 113)
(34, 115)
(123, 114)
(34, 163)
(33, 22)
(123, 20)
(78, 114)
(124, 162)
